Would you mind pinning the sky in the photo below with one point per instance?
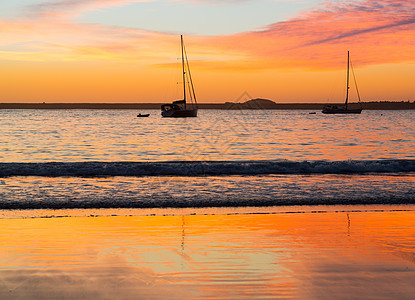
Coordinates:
(282, 50)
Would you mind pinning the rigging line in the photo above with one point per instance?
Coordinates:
(190, 75)
(190, 84)
(355, 82)
(177, 74)
(184, 73)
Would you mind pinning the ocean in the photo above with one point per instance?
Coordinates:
(69, 159)
(265, 204)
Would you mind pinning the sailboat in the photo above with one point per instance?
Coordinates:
(187, 107)
(344, 109)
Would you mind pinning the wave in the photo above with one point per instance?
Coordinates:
(203, 168)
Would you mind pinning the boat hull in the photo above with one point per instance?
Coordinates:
(185, 113)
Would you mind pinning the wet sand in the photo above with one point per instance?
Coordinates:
(355, 252)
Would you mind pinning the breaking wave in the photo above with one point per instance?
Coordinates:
(203, 168)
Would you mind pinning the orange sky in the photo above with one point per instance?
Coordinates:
(48, 54)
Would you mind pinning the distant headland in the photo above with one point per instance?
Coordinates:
(247, 105)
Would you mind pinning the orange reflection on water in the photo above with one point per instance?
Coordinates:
(294, 255)
(113, 135)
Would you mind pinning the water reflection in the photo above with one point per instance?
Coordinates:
(79, 135)
(265, 256)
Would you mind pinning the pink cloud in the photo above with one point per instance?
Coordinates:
(70, 8)
(376, 32)
(53, 29)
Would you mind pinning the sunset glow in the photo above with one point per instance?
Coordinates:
(296, 255)
(126, 50)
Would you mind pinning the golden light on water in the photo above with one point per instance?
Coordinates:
(242, 256)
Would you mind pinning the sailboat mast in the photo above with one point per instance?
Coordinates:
(348, 78)
(184, 72)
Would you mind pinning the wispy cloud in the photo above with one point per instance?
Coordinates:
(366, 17)
(377, 32)
(52, 26)
(70, 8)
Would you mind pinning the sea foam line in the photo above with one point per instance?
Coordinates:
(203, 168)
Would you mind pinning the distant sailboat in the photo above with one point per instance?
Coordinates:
(344, 109)
(181, 108)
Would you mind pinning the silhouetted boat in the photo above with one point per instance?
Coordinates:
(181, 108)
(143, 115)
(344, 109)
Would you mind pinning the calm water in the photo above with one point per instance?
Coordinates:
(117, 135)
(343, 255)
(112, 159)
(234, 219)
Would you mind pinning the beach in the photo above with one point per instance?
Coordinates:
(322, 252)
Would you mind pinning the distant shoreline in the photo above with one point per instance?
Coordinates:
(249, 105)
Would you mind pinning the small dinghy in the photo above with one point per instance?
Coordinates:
(143, 115)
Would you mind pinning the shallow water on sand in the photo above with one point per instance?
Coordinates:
(328, 255)
(205, 191)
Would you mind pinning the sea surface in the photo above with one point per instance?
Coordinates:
(59, 159)
(100, 204)
(331, 255)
